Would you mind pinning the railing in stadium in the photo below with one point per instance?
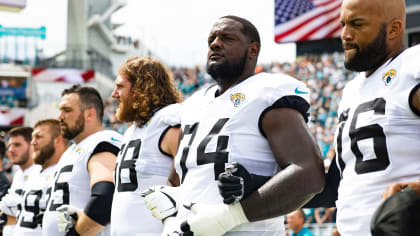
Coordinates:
(324, 229)
(73, 59)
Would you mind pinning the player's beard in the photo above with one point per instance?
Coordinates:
(45, 153)
(23, 159)
(371, 56)
(125, 111)
(225, 71)
(71, 132)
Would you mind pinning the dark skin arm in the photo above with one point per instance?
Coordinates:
(322, 219)
(302, 174)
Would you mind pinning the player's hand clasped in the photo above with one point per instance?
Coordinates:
(161, 201)
(67, 217)
(9, 204)
(207, 219)
(237, 183)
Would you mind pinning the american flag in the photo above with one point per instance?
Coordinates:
(300, 20)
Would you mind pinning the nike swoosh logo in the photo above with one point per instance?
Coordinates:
(297, 91)
(114, 139)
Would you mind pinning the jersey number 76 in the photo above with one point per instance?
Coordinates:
(374, 131)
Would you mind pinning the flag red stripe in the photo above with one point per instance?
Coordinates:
(307, 35)
(296, 27)
(325, 3)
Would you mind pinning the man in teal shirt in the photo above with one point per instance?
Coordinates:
(296, 221)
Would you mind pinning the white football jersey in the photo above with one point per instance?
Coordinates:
(34, 201)
(223, 129)
(377, 140)
(141, 164)
(72, 180)
(19, 182)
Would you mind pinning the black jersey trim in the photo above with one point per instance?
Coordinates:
(291, 101)
(105, 147)
(410, 99)
(161, 139)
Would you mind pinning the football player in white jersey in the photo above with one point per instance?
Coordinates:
(148, 98)
(377, 140)
(256, 120)
(48, 145)
(81, 196)
(19, 151)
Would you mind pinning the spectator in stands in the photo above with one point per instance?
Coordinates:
(333, 213)
(322, 215)
(110, 120)
(309, 215)
(296, 220)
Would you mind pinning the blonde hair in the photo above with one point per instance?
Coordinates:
(152, 86)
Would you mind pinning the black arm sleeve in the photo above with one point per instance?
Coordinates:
(105, 147)
(99, 206)
(293, 102)
(329, 195)
(161, 139)
(411, 97)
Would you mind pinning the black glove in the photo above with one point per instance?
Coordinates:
(237, 183)
(72, 232)
(185, 228)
